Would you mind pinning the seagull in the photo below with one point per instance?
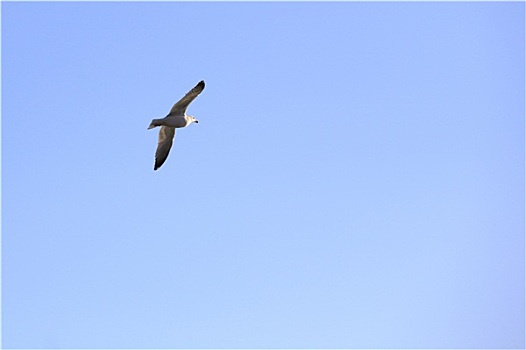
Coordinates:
(177, 118)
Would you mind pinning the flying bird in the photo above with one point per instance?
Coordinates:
(177, 118)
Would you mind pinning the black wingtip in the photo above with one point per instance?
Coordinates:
(201, 84)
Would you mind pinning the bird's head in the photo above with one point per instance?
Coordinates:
(192, 119)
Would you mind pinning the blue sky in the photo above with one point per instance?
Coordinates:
(356, 179)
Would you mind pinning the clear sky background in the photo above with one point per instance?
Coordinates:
(356, 179)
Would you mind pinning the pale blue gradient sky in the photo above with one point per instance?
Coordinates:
(356, 179)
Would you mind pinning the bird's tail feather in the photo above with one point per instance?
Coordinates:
(154, 123)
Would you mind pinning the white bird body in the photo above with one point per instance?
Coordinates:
(177, 118)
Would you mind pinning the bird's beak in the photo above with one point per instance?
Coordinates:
(197, 121)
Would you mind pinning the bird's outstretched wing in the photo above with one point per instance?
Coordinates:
(180, 107)
(166, 138)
